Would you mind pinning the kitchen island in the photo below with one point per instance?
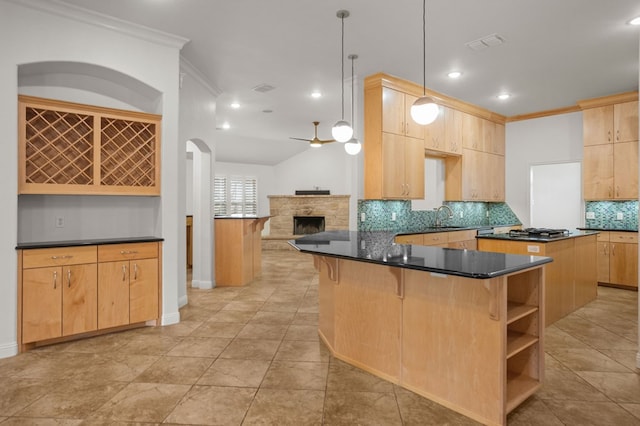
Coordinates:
(238, 248)
(571, 280)
(463, 328)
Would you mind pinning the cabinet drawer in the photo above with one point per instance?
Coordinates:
(435, 238)
(116, 252)
(59, 256)
(623, 237)
(410, 239)
(603, 236)
(456, 236)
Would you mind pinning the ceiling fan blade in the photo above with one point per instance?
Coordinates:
(326, 140)
(301, 139)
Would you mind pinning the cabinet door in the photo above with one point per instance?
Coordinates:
(113, 294)
(412, 129)
(414, 168)
(625, 122)
(472, 132)
(434, 134)
(625, 169)
(597, 125)
(393, 183)
(494, 167)
(603, 261)
(597, 172)
(79, 299)
(410, 239)
(471, 181)
(488, 135)
(143, 290)
(499, 140)
(393, 111)
(41, 304)
(624, 264)
(453, 130)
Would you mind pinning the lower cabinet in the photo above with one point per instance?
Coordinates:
(69, 291)
(618, 258)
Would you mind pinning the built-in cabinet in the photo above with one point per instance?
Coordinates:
(71, 291)
(618, 258)
(610, 137)
(396, 146)
(465, 239)
(68, 148)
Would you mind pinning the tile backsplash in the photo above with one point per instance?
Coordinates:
(606, 215)
(397, 216)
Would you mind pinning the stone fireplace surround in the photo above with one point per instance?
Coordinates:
(282, 209)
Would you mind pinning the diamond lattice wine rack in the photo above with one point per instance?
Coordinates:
(67, 148)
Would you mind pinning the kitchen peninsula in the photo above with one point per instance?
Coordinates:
(238, 246)
(571, 280)
(463, 328)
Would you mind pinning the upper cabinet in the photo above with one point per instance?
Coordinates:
(67, 148)
(610, 136)
(395, 146)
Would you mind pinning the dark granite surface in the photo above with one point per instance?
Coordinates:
(608, 229)
(241, 216)
(378, 247)
(87, 242)
(572, 234)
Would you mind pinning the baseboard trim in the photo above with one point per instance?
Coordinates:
(7, 350)
(182, 301)
(170, 319)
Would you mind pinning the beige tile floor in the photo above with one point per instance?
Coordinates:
(252, 356)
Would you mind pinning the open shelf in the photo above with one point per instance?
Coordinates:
(517, 342)
(519, 388)
(515, 311)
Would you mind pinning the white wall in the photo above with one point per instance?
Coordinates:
(267, 184)
(31, 33)
(542, 140)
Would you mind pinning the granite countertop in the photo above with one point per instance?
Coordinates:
(572, 234)
(446, 228)
(241, 216)
(86, 242)
(378, 247)
(608, 229)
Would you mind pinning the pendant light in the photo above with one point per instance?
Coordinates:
(353, 145)
(424, 110)
(342, 131)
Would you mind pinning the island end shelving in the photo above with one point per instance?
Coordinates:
(463, 328)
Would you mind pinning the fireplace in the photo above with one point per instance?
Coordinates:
(303, 225)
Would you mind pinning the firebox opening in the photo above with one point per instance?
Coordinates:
(307, 224)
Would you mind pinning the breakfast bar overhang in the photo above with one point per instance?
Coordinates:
(460, 327)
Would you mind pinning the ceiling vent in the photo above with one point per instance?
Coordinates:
(485, 42)
(263, 88)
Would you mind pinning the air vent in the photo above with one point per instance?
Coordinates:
(484, 42)
(263, 88)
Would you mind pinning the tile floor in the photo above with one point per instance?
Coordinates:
(252, 356)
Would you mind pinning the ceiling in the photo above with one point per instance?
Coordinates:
(554, 53)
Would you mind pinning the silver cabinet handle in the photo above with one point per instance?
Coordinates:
(135, 271)
(617, 135)
(124, 273)
(613, 249)
(128, 252)
(55, 279)
(68, 256)
(69, 278)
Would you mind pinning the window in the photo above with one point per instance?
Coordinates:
(235, 195)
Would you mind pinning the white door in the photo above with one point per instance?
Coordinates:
(556, 196)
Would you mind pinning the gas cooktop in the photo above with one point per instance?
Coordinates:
(539, 232)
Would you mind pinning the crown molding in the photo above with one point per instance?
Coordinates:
(195, 73)
(76, 13)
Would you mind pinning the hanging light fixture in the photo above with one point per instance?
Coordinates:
(342, 131)
(424, 110)
(353, 145)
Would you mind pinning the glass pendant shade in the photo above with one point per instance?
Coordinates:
(424, 110)
(353, 146)
(342, 131)
(315, 145)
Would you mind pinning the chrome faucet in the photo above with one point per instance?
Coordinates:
(438, 221)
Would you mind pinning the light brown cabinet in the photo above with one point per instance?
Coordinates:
(472, 132)
(618, 258)
(610, 138)
(402, 167)
(68, 148)
(464, 239)
(444, 136)
(69, 291)
(58, 292)
(396, 114)
(127, 284)
(475, 176)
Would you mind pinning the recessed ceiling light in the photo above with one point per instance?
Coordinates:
(226, 125)
(503, 96)
(316, 94)
(454, 74)
(635, 21)
(235, 105)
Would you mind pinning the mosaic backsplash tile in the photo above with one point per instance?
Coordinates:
(379, 215)
(606, 215)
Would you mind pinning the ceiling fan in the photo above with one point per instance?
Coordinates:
(315, 142)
